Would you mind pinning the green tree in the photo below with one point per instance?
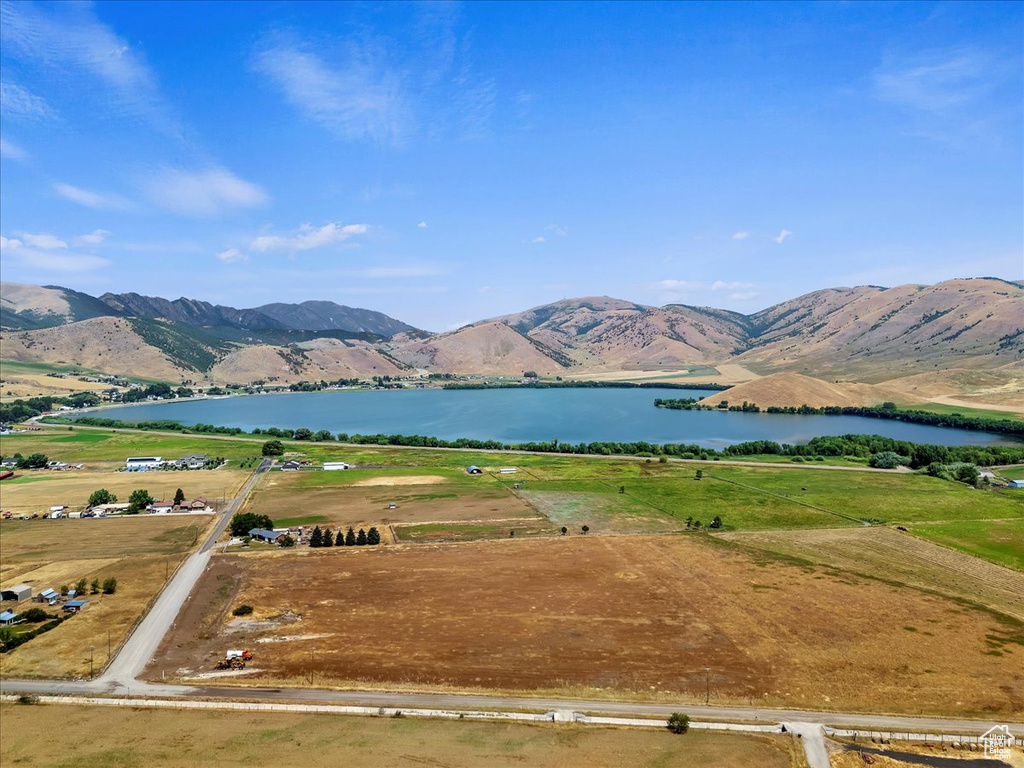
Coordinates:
(303, 434)
(273, 448)
(179, 497)
(243, 522)
(350, 537)
(64, 589)
(95, 586)
(287, 541)
(35, 615)
(102, 496)
(585, 528)
(700, 473)
(109, 586)
(886, 460)
(564, 530)
(361, 538)
(316, 539)
(716, 522)
(80, 587)
(328, 539)
(33, 461)
(967, 473)
(324, 436)
(689, 522)
(138, 500)
(678, 723)
(373, 537)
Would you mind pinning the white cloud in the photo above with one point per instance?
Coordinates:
(43, 240)
(204, 193)
(721, 285)
(12, 151)
(422, 225)
(743, 235)
(557, 229)
(359, 99)
(70, 40)
(19, 102)
(538, 240)
(91, 199)
(232, 256)
(96, 237)
(781, 238)
(308, 237)
(9, 244)
(937, 80)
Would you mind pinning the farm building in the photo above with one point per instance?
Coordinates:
(110, 509)
(74, 606)
(199, 504)
(474, 470)
(193, 461)
(291, 465)
(1015, 484)
(508, 470)
(335, 465)
(261, 534)
(137, 463)
(161, 507)
(7, 618)
(18, 593)
(48, 596)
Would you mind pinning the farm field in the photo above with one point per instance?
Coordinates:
(134, 737)
(998, 541)
(621, 615)
(39, 490)
(139, 551)
(900, 558)
(1012, 473)
(90, 445)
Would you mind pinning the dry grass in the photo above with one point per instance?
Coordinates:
(73, 487)
(139, 552)
(627, 614)
(108, 736)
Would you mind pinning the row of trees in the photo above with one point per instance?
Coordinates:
(327, 538)
(108, 587)
(32, 461)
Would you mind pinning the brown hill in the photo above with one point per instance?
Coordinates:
(794, 389)
(320, 359)
(101, 344)
(489, 349)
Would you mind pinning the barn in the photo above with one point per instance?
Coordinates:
(18, 593)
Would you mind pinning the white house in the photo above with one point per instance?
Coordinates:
(333, 465)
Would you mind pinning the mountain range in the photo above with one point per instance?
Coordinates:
(866, 333)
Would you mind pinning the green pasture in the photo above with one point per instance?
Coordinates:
(998, 541)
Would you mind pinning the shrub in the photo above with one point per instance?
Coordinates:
(678, 722)
(273, 448)
(109, 586)
(35, 615)
(242, 610)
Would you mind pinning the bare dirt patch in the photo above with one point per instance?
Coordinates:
(634, 614)
(401, 480)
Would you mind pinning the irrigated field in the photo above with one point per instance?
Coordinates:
(183, 739)
(139, 551)
(625, 614)
(998, 541)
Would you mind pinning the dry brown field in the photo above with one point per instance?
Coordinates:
(852, 758)
(43, 489)
(900, 557)
(289, 495)
(636, 615)
(139, 551)
(109, 736)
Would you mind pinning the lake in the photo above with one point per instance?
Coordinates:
(523, 415)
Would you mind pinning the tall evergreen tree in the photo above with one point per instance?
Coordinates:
(350, 537)
(361, 538)
(328, 538)
(316, 539)
(340, 540)
(373, 537)
(179, 496)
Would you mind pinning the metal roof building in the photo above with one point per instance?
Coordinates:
(18, 593)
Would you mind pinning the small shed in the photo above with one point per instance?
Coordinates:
(508, 470)
(473, 469)
(1015, 484)
(74, 606)
(48, 596)
(335, 465)
(291, 465)
(19, 593)
(7, 618)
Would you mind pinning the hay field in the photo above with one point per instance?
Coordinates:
(898, 557)
(998, 541)
(139, 551)
(635, 615)
(362, 498)
(181, 739)
(38, 491)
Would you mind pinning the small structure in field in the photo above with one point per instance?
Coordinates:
(7, 618)
(291, 465)
(102, 510)
(18, 593)
(1015, 484)
(74, 606)
(507, 470)
(161, 507)
(49, 596)
(336, 465)
(473, 469)
(142, 463)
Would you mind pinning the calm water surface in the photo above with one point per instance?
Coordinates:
(521, 415)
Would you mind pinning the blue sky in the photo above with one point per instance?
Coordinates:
(449, 162)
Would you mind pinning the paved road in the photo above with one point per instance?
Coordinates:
(140, 646)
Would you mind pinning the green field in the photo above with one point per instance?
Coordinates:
(980, 413)
(81, 444)
(1012, 473)
(998, 541)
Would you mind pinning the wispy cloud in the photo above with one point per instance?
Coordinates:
(721, 285)
(557, 229)
(203, 193)
(70, 39)
(232, 256)
(18, 102)
(12, 151)
(96, 237)
(97, 200)
(422, 225)
(936, 80)
(781, 237)
(45, 254)
(539, 239)
(743, 235)
(308, 237)
(360, 97)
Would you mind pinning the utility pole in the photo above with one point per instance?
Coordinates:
(108, 645)
(707, 684)
(311, 666)
(92, 650)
